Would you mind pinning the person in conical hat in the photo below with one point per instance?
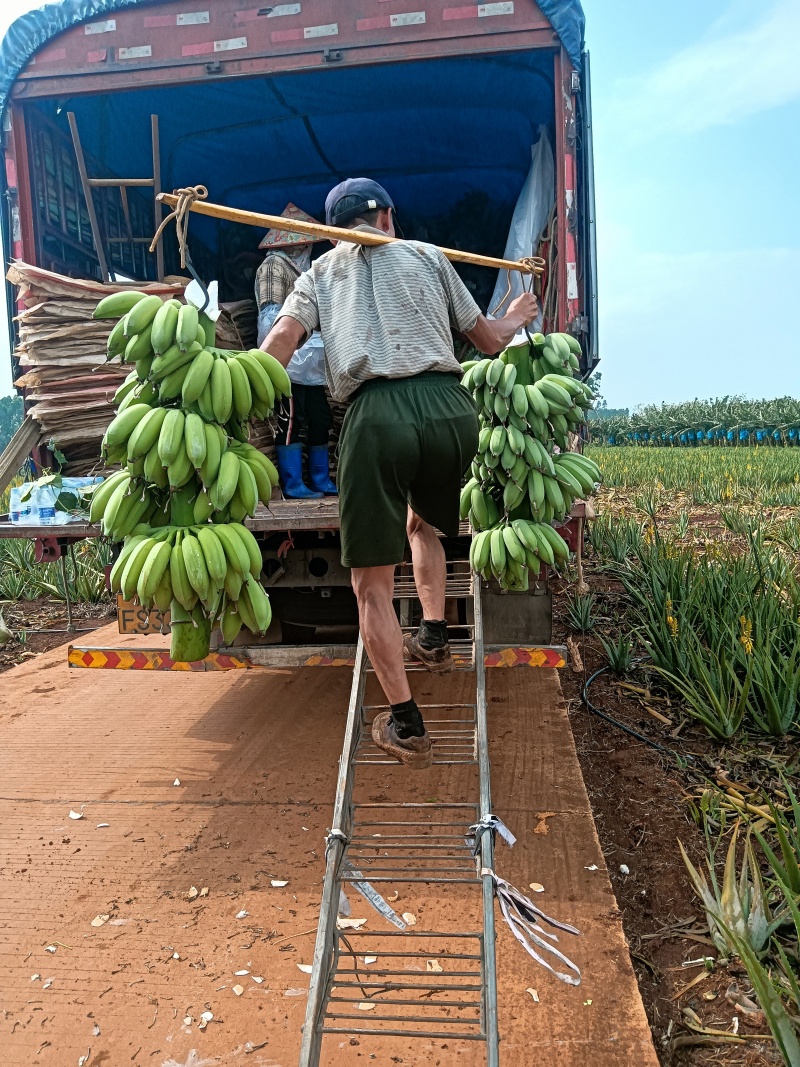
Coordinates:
(288, 256)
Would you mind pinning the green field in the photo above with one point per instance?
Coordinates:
(757, 476)
(703, 544)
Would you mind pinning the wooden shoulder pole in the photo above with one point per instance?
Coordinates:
(532, 265)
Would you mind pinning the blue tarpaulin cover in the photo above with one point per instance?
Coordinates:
(33, 30)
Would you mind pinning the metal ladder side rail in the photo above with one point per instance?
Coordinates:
(325, 948)
(486, 840)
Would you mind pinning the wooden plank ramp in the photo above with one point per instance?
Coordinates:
(254, 753)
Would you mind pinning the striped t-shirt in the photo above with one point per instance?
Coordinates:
(383, 312)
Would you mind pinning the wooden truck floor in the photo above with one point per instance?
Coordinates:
(226, 780)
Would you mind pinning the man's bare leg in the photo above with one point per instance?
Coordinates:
(428, 561)
(380, 629)
(401, 731)
(429, 646)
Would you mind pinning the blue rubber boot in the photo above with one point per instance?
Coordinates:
(318, 473)
(290, 469)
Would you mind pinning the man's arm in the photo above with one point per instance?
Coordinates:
(492, 335)
(284, 339)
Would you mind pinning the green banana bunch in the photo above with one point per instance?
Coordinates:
(509, 550)
(528, 402)
(190, 475)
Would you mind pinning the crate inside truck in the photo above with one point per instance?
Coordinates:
(476, 118)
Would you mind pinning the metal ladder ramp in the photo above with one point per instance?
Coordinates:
(385, 842)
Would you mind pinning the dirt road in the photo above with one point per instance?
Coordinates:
(255, 757)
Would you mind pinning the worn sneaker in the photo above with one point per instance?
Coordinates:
(414, 752)
(436, 660)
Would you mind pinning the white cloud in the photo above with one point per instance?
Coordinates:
(730, 75)
(673, 327)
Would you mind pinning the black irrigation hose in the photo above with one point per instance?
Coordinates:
(615, 722)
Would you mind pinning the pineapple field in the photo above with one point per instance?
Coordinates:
(685, 702)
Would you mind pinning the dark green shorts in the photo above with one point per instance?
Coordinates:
(405, 441)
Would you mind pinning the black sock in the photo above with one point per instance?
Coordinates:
(407, 719)
(433, 634)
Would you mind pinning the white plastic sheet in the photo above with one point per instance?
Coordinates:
(307, 365)
(530, 216)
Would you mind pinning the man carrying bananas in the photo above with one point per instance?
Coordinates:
(385, 315)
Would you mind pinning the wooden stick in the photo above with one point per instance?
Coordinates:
(533, 265)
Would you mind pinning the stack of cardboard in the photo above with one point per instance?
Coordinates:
(69, 386)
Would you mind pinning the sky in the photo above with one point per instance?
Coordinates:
(697, 156)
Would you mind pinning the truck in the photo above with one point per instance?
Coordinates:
(107, 103)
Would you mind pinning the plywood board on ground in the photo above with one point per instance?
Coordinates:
(255, 756)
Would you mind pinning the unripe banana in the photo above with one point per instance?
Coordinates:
(116, 305)
(210, 466)
(141, 315)
(251, 546)
(497, 441)
(480, 557)
(152, 573)
(260, 382)
(240, 387)
(221, 391)
(186, 329)
(154, 470)
(202, 509)
(259, 604)
(205, 401)
(519, 400)
(171, 386)
(221, 492)
(507, 379)
(465, 500)
(102, 492)
(262, 480)
(162, 598)
(494, 373)
(479, 376)
(165, 325)
(235, 552)
(181, 587)
(133, 568)
(502, 406)
(171, 437)
(180, 470)
(535, 489)
(479, 509)
(537, 401)
(516, 441)
(231, 624)
(196, 377)
(145, 433)
(248, 489)
(196, 569)
(171, 360)
(497, 552)
(123, 425)
(513, 546)
(276, 371)
(512, 495)
(117, 341)
(213, 553)
(194, 436)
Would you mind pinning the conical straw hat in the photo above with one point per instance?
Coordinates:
(284, 238)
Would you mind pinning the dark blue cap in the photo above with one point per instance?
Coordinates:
(370, 195)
